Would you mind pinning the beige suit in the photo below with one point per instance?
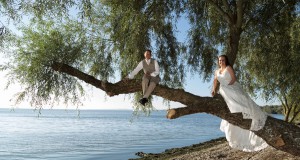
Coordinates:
(149, 82)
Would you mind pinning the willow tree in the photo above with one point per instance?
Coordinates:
(272, 59)
(57, 52)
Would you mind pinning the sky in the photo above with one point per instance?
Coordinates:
(96, 98)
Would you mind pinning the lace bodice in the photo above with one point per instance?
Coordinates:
(224, 78)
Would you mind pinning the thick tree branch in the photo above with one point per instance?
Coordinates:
(277, 133)
(122, 87)
(240, 14)
(222, 12)
(227, 7)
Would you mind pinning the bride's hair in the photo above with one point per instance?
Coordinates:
(226, 59)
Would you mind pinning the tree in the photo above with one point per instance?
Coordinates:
(53, 58)
(276, 53)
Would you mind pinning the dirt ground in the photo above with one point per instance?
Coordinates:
(216, 149)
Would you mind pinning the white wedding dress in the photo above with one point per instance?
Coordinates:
(239, 101)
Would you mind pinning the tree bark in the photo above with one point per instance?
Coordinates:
(277, 133)
(233, 44)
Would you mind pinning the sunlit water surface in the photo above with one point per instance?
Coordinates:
(97, 134)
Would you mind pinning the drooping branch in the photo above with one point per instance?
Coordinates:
(122, 87)
(277, 133)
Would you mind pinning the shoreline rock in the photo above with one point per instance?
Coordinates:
(215, 149)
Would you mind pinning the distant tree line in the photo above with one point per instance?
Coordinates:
(278, 109)
(273, 109)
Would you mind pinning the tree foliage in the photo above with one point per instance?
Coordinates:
(31, 65)
(110, 36)
(107, 37)
(67, 42)
(270, 59)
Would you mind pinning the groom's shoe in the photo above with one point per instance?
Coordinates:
(143, 101)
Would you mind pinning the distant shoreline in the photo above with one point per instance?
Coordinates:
(215, 149)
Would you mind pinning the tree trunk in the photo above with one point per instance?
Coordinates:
(288, 112)
(233, 41)
(277, 133)
(234, 19)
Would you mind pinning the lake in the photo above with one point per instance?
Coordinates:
(97, 134)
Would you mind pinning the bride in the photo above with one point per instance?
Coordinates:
(238, 102)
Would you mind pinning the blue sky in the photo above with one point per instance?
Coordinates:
(96, 98)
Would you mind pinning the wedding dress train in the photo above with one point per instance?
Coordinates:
(239, 101)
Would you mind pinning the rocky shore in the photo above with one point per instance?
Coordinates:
(216, 149)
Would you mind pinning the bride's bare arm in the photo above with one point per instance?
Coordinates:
(214, 84)
(232, 75)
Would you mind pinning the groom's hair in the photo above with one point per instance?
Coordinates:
(149, 51)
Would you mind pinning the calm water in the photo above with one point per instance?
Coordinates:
(97, 134)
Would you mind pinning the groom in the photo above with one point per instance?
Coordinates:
(151, 75)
